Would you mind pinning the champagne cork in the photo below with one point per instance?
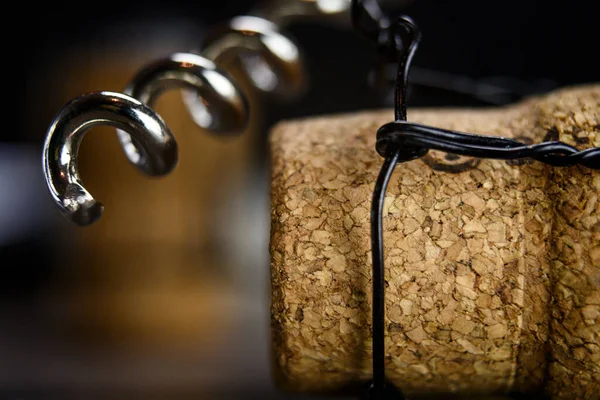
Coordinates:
(492, 267)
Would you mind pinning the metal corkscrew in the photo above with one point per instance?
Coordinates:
(271, 61)
(215, 103)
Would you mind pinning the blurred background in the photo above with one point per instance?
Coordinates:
(167, 295)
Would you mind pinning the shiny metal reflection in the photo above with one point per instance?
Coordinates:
(271, 59)
(158, 150)
(285, 12)
(213, 100)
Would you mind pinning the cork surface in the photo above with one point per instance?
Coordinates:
(575, 257)
(492, 267)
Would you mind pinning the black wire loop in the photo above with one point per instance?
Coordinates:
(415, 140)
(402, 141)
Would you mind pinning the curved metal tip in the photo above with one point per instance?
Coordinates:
(64, 136)
(81, 207)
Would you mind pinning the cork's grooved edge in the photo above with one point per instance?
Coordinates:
(486, 268)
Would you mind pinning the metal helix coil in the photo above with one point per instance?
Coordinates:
(271, 62)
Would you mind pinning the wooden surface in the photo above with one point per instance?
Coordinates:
(492, 267)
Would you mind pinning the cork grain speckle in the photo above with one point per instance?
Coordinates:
(492, 267)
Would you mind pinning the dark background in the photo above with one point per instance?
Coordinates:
(538, 44)
(524, 40)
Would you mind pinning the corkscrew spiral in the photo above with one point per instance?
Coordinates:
(271, 62)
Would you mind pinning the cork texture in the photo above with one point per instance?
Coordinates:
(575, 255)
(492, 267)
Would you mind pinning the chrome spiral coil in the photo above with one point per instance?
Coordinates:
(285, 12)
(215, 103)
(270, 59)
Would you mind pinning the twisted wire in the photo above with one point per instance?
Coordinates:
(414, 140)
